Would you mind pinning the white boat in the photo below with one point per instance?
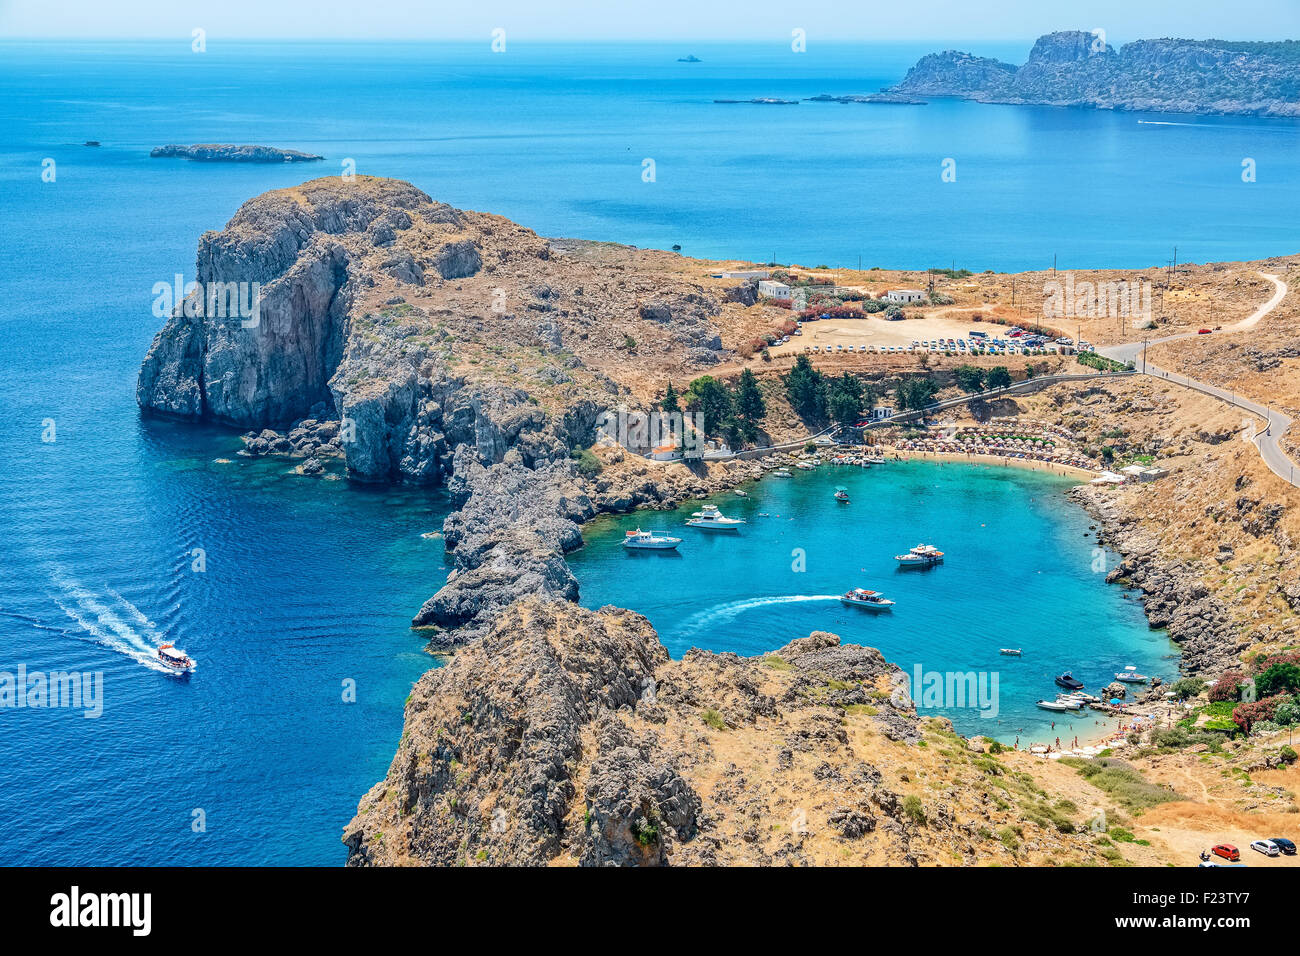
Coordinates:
(1009, 651)
(741, 494)
(805, 465)
(782, 473)
(1130, 676)
(923, 556)
(176, 660)
(841, 494)
(1055, 705)
(861, 597)
(711, 519)
(650, 541)
(873, 460)
(1073, 703)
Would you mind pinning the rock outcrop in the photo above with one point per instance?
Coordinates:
(1078, 68)
(568, 736)
(414, 326)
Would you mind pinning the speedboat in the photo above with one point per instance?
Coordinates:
(1009, 651)
(782, 473)
(1070, 701)
(1055, 705)
(841, 495)
(922, 556)
(873, 460)
(871, 600)
(711, 519)
(1068, 681)
(741, 494)
(805, 466)
(176, 660)
(650, 540)
(1129, 675)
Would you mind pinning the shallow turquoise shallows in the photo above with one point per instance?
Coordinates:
(1021, 570)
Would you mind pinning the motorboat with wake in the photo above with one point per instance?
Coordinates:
(709, 518)
(871, 600)
(922, 556)
(639, 540)
(169, 656)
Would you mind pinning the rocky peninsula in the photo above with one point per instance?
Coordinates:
(1078, 68)
(227, 153)
(411, 341)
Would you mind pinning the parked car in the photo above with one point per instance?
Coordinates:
(1203, 332)
(1267, 847)
(1227, 851)
(1285, 845)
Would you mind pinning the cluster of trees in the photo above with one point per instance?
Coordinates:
(816, 397)
(734, 412)
(1270, 700)
(972, 378)
(846, 399)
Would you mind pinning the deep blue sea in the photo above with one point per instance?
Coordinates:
(1021, 570)
(312, 583)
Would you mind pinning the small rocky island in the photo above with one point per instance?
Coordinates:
(228, 153)
(1078, 68)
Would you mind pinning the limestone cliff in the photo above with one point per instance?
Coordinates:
(420, 327)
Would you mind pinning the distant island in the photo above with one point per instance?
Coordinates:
(893, 98)
(763, 101)
(227, 153)
(1077, 68)
(689, 58)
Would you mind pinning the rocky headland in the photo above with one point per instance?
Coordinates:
(229, 153)
(1078, 68)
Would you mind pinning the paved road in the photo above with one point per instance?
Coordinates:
(1277, 423)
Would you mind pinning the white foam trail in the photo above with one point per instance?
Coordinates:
(730, 611)
(106, 626)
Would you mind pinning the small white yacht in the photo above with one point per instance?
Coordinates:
(782, 473)
(871, 600)
(710, 518)
(922, 556)
(650, 541)
(1129, 675)
(1055, 705)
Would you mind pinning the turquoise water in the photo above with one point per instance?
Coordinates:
(1021, 570)
(311, 583)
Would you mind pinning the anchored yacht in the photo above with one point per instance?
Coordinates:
(650, 540)
(710, 518)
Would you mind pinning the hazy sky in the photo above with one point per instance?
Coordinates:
(700, 20)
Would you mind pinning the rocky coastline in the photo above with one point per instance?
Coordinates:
(1173, 591)
(1078, 68)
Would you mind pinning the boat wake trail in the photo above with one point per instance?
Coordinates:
(723, 613)
(112, 622)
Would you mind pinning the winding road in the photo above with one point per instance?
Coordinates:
(1277, 423)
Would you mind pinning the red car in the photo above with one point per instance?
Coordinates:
(1203, 332)
(1227, 851)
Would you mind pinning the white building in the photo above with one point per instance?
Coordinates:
(771, 289)
(880, 413)
(905, 296)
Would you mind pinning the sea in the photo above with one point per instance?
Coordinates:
(294, 595)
